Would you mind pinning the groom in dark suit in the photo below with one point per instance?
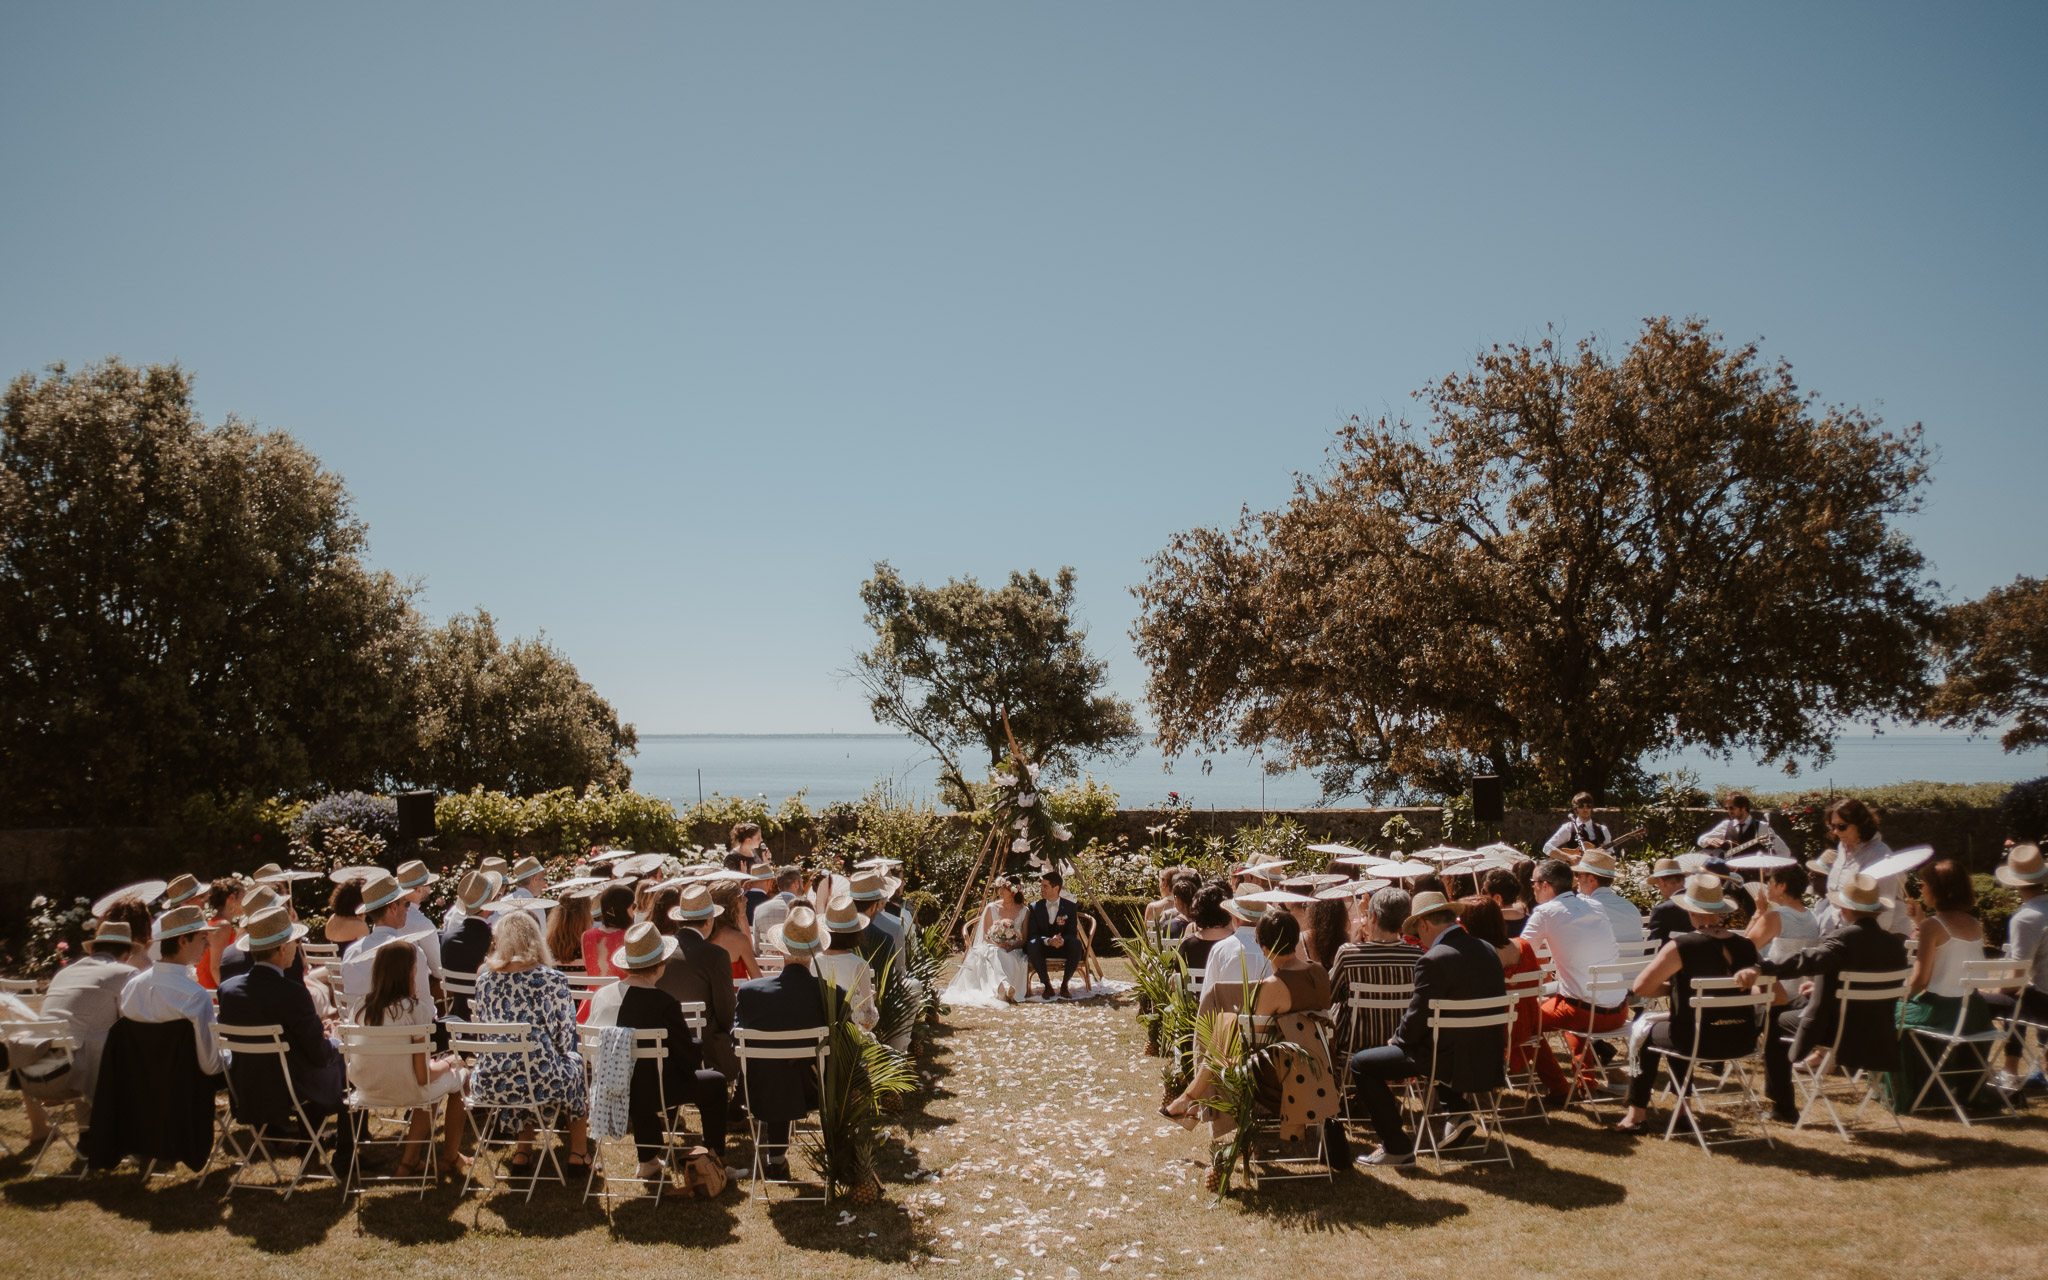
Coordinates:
(1052, 928)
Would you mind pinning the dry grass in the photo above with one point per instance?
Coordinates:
(1052, 1163)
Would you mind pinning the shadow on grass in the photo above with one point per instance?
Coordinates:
(1350, 1202)
(688, 1224)
(401, 1218)
(1870, 1156)
(1531, 1181)
(878, 1233)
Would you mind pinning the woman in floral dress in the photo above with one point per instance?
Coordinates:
(519, 984)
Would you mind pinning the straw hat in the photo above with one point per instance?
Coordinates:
(380, 892)
(1246, 905)
(260, 899)
(1426, 904)
(498, 865)
(477, 888)
(1860, 894)
(1597, 862)
(797, 935)
(1704, 894)
(869, 886)
(113, 933)
(523, 870)
(695, 904)
(272, 928)
(1824, 864)
(182, 890)
(179, 921)
(645, 948)
(271, 873)
(2023, 868)
(1668, 867)
(414, 875)
(342, 875)
(841, 916)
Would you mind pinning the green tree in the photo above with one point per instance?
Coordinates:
(1994, 655)
(949, 662)
(183, 608)
(1584, 560)
(511, 717)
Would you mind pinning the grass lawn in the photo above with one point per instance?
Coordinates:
(1050, 1162)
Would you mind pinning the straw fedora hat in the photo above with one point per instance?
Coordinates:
(1860, 894)
(477, 888)
(869, 886)
(260, 899)
(2023, 869)
(1244, 906)
(272, 928)
(1704, 894)
(524, 869)
(645, 948)
(841, 916)
(695, 904)
(182, 890)
(1597, 862)
(380, 892)
(498, 865)
(1824, 864)
(414, 875)
(1669, 867)
(179, 921)
(112, 933)
(797, 935)
(1426, 904)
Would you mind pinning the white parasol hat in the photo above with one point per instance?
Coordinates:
(1441, 853)
(1337, 851)
(147, 890)
(1761, 861)
(1275, 896)
(1897, 864)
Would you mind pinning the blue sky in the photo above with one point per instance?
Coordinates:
(653, 326)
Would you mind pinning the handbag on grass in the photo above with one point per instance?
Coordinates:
(703, 1174)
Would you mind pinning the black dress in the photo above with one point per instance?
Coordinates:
(1726, 1034)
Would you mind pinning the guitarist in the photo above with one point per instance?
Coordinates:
(1579, 831)
(1742, 826)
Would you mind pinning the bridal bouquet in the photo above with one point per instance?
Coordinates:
(1003, 931)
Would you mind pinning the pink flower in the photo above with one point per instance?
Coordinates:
(63, 946)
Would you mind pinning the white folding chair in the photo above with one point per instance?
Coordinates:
(582, 986)
(474, 1040)
(810, 1044)
(456, 982)
(1645, 950)
(1483, 1106)
(1531, 986)
(23, 986)
(1709, 997)
(771, 962)
(365, 1045)
(650, 1044)
(1979, 977)
(319, 951)
(1853, 988)
(249, 1044)
(54, 1034)
(1262, 1030)
(1362, 998)
(1607, 987)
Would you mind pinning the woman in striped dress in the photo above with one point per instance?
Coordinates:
(1381, 959)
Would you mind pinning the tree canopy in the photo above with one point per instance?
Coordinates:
(515, 718)
(1994, 654)
(1586, 559)
(949, 662)
(183, 608)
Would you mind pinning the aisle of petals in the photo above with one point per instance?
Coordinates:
(1054, 1149)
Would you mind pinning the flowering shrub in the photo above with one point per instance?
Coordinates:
(356, 811)
(55, 934)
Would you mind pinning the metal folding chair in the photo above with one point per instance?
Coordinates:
(813, 1044)
(1607, 986)
(1979, 977)
(1689, 1100)
(1531, 986)
(650, 1044)
(456, 982)
(1363, 997)
(1853, 987)
(515, 1039)
(1484, 1108)
(364, 1045)
(55, 1034)
(267, 1041)
(1263, 1030)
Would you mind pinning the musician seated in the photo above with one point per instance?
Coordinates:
(1580, 935)
(1741, 827)
(1594, 880)
(1579, 831)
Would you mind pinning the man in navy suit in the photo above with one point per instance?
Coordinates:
(265, 995)
(1454, 966)
(1052, 927)
(782, 1090)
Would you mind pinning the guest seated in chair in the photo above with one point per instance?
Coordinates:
(779, 1092)
(519, 983)
(1454, 966)
(643, 1005)
(87, 996)
(417, 1083)
(1052, 927)
(467, 939)
(154, 1098)
(266, 994)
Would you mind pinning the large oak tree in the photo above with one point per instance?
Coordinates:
(1586, 558)
(1994, 653)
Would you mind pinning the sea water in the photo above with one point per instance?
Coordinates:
(843, 766)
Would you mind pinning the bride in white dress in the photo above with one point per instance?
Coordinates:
(994, 972)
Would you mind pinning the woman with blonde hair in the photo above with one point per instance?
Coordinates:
(519, 983)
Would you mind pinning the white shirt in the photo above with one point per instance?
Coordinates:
(1237, 958)
(852, 975)
(1850, 865)
(430, 946)
(1622, 915)
(1579, 935)
(166, 992)
(361, 954)
(1727, 830)
(1576, 832)
(456, 915)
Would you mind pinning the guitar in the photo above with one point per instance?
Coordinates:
(1736, 851)
(1583, 848)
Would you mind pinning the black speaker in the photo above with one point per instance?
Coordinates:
(1489, 798)
(415, 815)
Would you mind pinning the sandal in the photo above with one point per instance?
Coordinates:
(580, 1164)
(406, 1172)
(1185, 1119)
(1623, 1126)
(521, 1164)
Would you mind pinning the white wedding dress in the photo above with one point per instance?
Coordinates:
(988, 967)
